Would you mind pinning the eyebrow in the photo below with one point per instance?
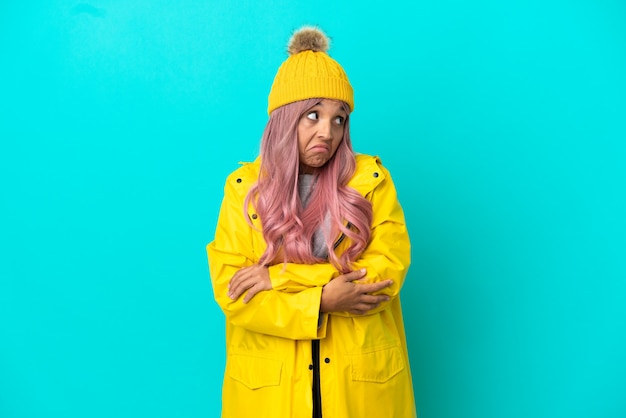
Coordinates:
(321, 104)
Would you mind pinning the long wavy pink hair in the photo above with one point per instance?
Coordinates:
(288, 227)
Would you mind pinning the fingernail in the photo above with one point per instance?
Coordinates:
(362, 270)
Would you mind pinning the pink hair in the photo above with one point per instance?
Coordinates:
(288, 227)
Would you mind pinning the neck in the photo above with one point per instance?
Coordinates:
(305, 169)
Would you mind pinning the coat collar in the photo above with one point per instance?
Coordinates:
(368, 174)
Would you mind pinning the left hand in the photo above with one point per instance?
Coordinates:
(344, 293)
(254, 279)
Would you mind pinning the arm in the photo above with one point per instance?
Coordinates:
(292, 312)
(388, 255)
(386, 261)
(340, 294)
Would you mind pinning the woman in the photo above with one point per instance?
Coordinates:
(309, 256)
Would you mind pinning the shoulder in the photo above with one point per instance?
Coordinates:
(369, 173)
(241, 179)
(366, 162)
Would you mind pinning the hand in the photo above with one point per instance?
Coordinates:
(342, 294)
(254, 279)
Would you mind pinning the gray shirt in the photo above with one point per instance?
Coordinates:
(306, 183)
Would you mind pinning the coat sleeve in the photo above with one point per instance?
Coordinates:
(290, 310)
(388, 255)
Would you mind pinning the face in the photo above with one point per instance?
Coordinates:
(320, 131)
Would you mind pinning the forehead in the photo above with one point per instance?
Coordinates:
(330, 105)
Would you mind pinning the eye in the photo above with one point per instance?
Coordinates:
(312, 115)
(339, 120)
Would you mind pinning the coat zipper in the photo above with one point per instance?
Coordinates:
(317, 396)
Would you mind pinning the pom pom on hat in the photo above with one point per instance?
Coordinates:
(309, 72)
(308, 38)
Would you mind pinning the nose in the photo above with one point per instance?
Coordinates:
(324, 130)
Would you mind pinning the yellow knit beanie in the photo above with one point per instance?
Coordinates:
(309, 72)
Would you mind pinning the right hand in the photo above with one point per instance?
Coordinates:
(254, 279)
(343, 295)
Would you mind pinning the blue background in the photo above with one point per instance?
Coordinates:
(503, 124)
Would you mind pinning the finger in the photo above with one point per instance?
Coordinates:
(242, 280)
(234, 284)
(365, 307)
(240, 287)
(238, 277)
(374, 299)
(357, 312)
(241, 274)
(354, 275)
(251, 292)
(375, 287)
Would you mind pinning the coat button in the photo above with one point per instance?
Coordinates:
(310, 367)
(375, 174)
(326, 360)
(254, 216)
(238, 180)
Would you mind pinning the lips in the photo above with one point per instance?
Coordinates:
(319, 148)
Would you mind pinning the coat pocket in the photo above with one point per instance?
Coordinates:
(254, 372)
(377, 365)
